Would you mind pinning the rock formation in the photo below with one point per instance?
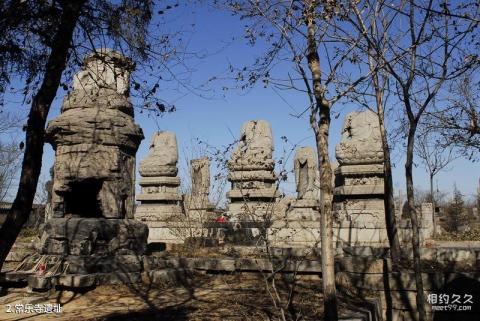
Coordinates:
(160, 198)
(95, 141)
(253, 191)
(359, 190)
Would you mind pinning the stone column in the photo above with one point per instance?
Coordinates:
(427, 221)
(197, 204)
(253, 190)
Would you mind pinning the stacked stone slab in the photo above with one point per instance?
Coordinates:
(253, 190)
(159, 197)
(92, 196)
(161, 202)
(359, 179)
(197, 204)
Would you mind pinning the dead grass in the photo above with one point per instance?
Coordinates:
(205, 297)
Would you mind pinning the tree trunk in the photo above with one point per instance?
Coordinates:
(414, 220)
(326, 221)
(389, 202)
(32, 158)
(433, 205)
(321, 130)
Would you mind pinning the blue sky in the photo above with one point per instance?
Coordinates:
(217, 120)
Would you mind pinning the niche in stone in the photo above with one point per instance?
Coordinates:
(83, 198)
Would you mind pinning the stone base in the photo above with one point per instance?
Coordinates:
(158, 212)
(89, 236)
(295, 236)
(281, 233)
(163, 276)
(361, 210)
(103, 264)
(251, 211)
(303, 210)
(175, 232)
(85, 264)
(251, 194)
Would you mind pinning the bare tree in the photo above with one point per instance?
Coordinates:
(315, 43)
(9, 153)
(434, 158)
(478, 197)
(456, 117)
(372, 20)
(433, 48)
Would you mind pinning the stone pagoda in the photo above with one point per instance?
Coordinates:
(95, 140)
(359, 190)
(253, 190)
(160, 198)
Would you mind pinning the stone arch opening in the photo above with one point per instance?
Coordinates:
(83, 198)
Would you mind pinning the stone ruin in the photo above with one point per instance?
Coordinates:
(197, 204)
(359, 190)
(90, 230)
(95, 140)
(299, 227)
(359, 187)
(253, 190)
(256, 209)
(160, 200)
(307, 182)
(159, 197)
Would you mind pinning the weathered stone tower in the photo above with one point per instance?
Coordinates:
(161, 203)
(95, 140)
(160, 199)
(253, 190)
(359, 190)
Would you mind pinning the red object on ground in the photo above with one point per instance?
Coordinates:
(41, 269)
(221, 219)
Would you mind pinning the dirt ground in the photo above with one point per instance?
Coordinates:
(202, 297)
